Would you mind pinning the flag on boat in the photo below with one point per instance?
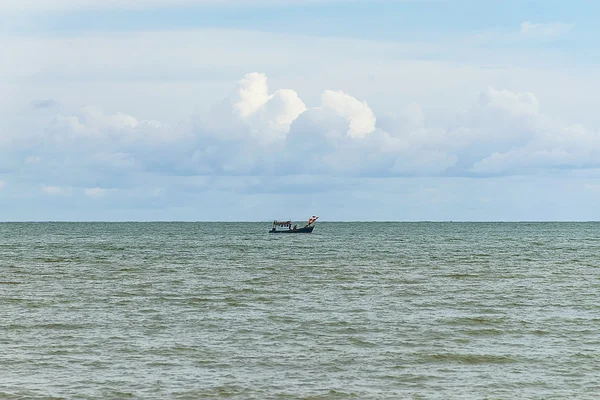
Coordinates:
(312, 219)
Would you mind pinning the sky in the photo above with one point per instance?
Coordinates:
(254, 110)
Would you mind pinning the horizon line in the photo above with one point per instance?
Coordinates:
(270, 221)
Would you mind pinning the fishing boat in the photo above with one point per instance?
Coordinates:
(286, 226)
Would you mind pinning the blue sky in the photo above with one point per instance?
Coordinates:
(255, 110)
(376, 19)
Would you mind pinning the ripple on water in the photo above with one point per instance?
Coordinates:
(463, 358)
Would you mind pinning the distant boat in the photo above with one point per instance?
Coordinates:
(286, 226)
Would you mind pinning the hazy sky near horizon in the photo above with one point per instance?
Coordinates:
(262, 109)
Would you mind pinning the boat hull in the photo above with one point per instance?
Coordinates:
(307, 229)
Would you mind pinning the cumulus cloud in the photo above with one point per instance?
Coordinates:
(502, 132)
(261, 132)
(517, 103)
(253, 93)
(553, 145)
(93, 121)
(92, 142)
(251, 112)
(361, 120)
(269, 116)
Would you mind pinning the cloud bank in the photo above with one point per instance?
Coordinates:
(262, 132)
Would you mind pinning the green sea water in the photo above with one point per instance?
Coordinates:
(352, 311)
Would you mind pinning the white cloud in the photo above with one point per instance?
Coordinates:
(239, 134)
(552, 145)
(253, 94)
(258, 132)
(1, 184)
(518, 103)
(359, 115)
(95, 118)
(269, 116)
(94, 122)
(548, 30)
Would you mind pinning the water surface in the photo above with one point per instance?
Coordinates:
(352, 311)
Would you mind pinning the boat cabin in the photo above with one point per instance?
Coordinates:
(282, 225)
(286, 226)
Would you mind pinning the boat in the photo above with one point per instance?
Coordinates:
(286, 226)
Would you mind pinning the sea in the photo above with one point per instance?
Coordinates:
(420, 310)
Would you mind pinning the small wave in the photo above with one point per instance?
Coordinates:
(362, 343)
(264, 300)
(332, 394)
(460, 276)
(219, 392)
(537, 243)
(55, 260)
(348, 331)
(483, 332)
(60, 326)
(231, 301)
(107, 247)
(476, 321)
(590, 356)
(471, 358)
(192, 300)
(540, 332)
(108, 393)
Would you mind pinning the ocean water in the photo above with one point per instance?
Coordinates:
(352, 311)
